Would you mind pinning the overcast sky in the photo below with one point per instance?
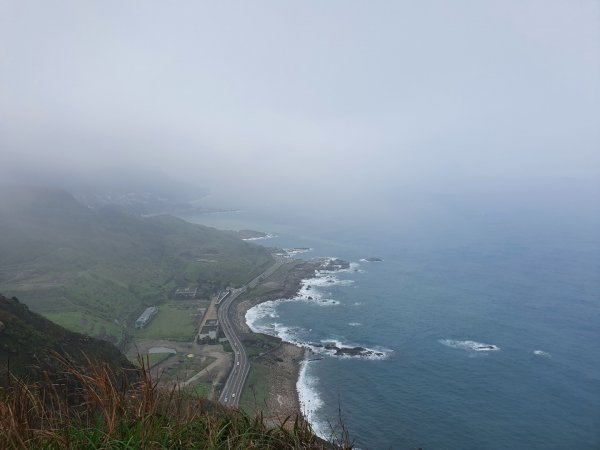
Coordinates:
(283, 99)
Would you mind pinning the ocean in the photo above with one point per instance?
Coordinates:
(486, 324)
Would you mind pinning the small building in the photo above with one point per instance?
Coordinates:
(186, 292)
(146, 317)
(209, 331)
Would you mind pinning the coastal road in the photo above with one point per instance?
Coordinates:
(232, 391)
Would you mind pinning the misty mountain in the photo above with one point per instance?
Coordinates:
(94, 269)
(139, 190)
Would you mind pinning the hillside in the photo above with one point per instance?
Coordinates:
(94, 270)
(85, 402)
(28, 341)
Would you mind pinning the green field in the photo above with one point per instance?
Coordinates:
(171, 322)
(256, 389)
(157, 358)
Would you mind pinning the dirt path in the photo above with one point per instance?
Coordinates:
(220, 366)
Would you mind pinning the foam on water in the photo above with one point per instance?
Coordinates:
(470, 346)
(324, 280)
(261, 311)
(257, 319)
(310, 401)
(300, 337)
(542, 353)
(268, 236)
(355, 324)
(352, 268)
(296, 251)
(374, 353)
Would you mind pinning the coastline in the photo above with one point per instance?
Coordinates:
(285, 360)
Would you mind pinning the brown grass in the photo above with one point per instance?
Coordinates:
(98, 409)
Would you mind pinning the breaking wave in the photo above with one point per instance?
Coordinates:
(267, 236)
(301, 337)
(310, 401)
(258, 319)
(470, 346)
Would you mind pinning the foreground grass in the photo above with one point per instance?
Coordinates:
(97, 409)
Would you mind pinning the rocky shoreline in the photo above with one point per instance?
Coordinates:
(284, 362)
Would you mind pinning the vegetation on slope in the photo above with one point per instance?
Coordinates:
(99, 409)
(28, 341)
(66, 390)
(94, 270)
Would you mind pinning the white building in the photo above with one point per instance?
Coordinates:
(146, 317)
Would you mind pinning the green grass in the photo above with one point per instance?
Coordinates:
(262, 289)
(257, 344)
(200, 389)
(188, 367)
(157, 358)
(59, 256)
(171, 322)
(227, 347)
(111, 414)
(82, 322)
(256, 389)
(27, 339)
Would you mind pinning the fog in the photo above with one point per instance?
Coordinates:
(309, 105)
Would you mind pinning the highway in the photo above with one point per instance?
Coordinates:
(232, 391)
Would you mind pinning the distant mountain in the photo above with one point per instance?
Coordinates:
(141, 191)
(93, 270)
(144, 203)
(27, 341)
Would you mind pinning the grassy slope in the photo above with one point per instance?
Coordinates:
(101, 412)
(92, 406)
(27, 341)
(95, 270)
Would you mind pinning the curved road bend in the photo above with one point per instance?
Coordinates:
(231, 393)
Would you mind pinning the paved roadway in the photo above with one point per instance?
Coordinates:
(231, 393)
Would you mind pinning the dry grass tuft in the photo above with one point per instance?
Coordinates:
(97, 409)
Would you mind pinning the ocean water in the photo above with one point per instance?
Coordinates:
(488, 326)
